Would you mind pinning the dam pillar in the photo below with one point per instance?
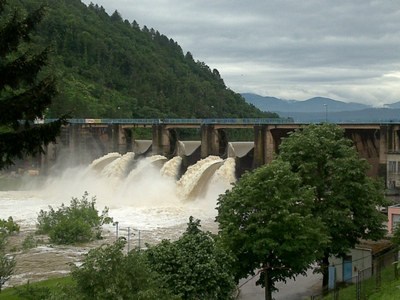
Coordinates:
(270, 147)
(161, 140)
(209, 141)
(264, 145)
(115, 137)
(259, 145)
(75, 141)
(384, 148)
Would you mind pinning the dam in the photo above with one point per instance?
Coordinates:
(88, 139)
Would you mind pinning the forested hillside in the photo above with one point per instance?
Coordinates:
(108, 67)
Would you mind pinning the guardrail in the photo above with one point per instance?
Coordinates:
(254, 121)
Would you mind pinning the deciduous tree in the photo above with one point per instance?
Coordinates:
(79, 222)
(266, 221)
(194, 266)
(346, 199)
(107, 273)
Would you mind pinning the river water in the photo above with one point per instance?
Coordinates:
(145, 197)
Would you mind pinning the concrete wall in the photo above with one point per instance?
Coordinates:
(88, 141)
(361, 260)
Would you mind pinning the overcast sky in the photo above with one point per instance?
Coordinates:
(347, 50)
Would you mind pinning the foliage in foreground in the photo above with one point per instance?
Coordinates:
(25, 93)
(266, 221)
(107, 273)
(346, 199)
(50, 289)
(195, 266)
(79, 222)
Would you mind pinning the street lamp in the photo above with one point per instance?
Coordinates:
(116, 229)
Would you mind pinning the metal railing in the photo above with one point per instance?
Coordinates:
(243, 121)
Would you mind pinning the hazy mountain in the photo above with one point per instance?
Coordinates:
(316, 104)
(321, 109)
(393, 105)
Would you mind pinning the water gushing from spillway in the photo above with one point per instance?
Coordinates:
(142, 194)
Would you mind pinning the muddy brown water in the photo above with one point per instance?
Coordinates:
(47, 260)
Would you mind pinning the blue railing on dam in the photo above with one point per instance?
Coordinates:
(250, 121)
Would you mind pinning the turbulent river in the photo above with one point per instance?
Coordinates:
(144, 196)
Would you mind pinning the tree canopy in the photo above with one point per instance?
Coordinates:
(267, 222)
(194, 266)
(78, 222)
(107, 273)
(25, 91)
(346, 199)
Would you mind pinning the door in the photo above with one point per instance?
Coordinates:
(347, 269)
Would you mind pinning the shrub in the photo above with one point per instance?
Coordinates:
(8, 227)
(29, 242)
(107, 273)
(79, 222)
(195, 266)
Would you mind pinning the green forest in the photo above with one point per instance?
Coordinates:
(108, 67)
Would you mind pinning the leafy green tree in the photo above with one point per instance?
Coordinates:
(107, 273)
(195, 266)
(105, 62)
(266, 221)
(79, 222)
(346, 199)
(24, 92)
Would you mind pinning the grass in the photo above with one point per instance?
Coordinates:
(388, 290)
(54, 283)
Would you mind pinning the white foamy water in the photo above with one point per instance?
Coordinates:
(143, 195)
(144, 198)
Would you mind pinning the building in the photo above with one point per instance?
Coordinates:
(365, 258)
(393, 217)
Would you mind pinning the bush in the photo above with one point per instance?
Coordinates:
(79, 222)
(195, 266)
(107, 273)
(29, 242)
(8, 227)
(7, 263)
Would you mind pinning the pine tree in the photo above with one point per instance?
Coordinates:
(25, 93)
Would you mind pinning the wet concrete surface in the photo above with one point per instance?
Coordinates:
(303, 287)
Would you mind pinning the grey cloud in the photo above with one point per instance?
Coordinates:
(288, 47)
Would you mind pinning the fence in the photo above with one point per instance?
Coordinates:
(132, 235)
(368, 281)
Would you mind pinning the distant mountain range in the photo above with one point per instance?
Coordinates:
(320, 109)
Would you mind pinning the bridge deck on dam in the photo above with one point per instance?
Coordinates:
(374, 140)
(287, 123)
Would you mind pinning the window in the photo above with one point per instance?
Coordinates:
(395, 221)
(392, 167)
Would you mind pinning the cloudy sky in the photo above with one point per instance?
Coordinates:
(347, 50)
